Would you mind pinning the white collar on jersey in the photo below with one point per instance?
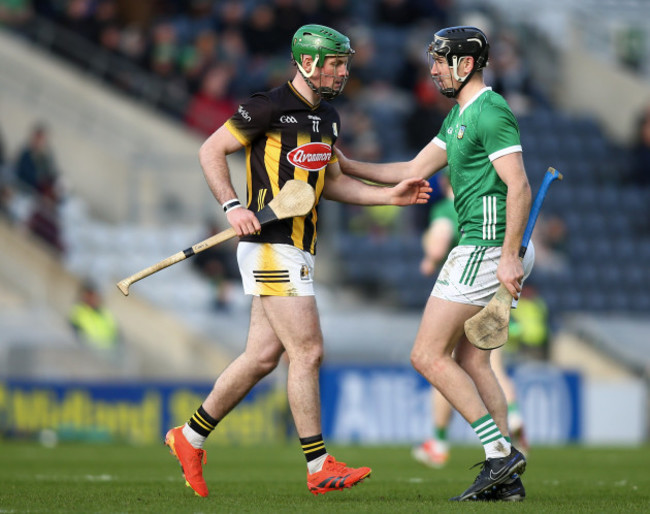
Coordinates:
(487, 88)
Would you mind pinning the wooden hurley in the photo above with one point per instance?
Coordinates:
(296, 198)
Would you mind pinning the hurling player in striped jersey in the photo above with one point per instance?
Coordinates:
(288, 133)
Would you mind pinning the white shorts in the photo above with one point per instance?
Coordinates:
(470, 274)
(275, 269)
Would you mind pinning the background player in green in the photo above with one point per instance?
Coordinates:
(288, 133)
(479, 141)
(443, 233)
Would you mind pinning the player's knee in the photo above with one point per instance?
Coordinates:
(308, 358)
(423, 362)
(313, 357)
(264, 363)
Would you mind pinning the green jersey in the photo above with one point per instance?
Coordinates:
(484, 130)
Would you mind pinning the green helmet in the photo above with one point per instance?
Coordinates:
(319, 42)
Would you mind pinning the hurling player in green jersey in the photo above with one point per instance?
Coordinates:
(479, 142)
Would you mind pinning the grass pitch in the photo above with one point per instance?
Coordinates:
(119, 478)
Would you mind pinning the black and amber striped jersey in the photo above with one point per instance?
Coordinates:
(285, 138)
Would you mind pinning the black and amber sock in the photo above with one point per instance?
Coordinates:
(313, 447)
(202, 423)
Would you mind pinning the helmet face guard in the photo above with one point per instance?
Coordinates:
(320, 42)
(454, 44)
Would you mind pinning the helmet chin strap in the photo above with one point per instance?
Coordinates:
(324, 92)
(302, 70)
(307, 76)
(450, 92)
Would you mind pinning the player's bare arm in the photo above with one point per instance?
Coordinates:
(510, 169)
(431, 159)
(212, 156)
(343, 188)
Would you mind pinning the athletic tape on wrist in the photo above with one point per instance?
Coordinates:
(231, 204)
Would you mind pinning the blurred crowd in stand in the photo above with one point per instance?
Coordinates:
(218, 53)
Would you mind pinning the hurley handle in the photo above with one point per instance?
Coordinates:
(550, 175)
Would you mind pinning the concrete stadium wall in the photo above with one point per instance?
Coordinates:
(168, 348)
(596, 86)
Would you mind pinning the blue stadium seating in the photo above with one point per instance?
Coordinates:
(608, 243)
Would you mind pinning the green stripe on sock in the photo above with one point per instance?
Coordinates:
(496, 435)
(480, 421)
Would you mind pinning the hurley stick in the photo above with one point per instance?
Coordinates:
(296, 198)
(488, 329)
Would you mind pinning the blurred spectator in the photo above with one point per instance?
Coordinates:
(164, 51)
(630, 42)
(262, 40)
(110, 38)
(437, 11)
(550, 239)
(232, 48)
(641, 151)
(360, 138)
(426, 115)
(387, 106)
(379, 222)
(45, 220)
(199, 58)
(530, 327)
(212, 105)
(363, 61)
(14, 13)
(230, 14)
(404, 13)
(219, 265)
(78, 17)
(106, 12)
(198, 18)
(399, 13)
(288, 17)
(36, 177)
(510, 76)
(36, 170)
(334, 13)
(93, 324)
(133, 44)
(108, 26)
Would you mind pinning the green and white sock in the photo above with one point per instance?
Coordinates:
(440, 436)
(493, 441)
